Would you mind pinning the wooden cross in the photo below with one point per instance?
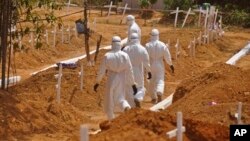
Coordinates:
(176, 12)
(188, 13)
(178, 132)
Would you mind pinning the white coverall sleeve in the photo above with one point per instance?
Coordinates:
(167, 55)
(101, 71)
(129, 72)
(146, 63)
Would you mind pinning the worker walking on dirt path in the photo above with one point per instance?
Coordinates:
(158, 52)
(140, 60)
(132, 28)
(118, 66)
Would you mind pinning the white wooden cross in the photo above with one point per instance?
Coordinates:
(211, 17)
(215, 16)
(176, 12)
(238, 114)
(124, 11)
(200, 13)
(178, 132)
(84, 135)
(206, 18)
(188, 13)
(110, 6)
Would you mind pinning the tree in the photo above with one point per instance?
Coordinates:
(16, 12)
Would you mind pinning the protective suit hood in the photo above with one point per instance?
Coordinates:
(130, 20)
(134, 38)
(154, 35)
(116, 43)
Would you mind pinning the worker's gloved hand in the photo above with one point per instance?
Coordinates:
(149, 75)
(134, 89)
(96, 86)
(172, 68)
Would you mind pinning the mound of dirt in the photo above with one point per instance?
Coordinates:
(139, 124)
(31, 108)
(136, 124)
(213, 95)
(21, 118)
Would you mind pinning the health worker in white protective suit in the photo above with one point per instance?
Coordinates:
(139, 58)
(132, 28)
(158, 52)
(118, 66)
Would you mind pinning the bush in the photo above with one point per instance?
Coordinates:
(237, 17)
(182, 4)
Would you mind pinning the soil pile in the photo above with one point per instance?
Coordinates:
(213, 95)
(137, 125)
(30, 107)
(21, 118)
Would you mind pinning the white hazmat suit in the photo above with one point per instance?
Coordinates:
(118, 66)
(132, 27)
(158, 52)
(139, 58)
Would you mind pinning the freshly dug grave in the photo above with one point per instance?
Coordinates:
(213, 95)
(139, 124)
(21, 119)
(136, 125)
(30, 107)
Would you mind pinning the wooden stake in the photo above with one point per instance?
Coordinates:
(58, 97)
(69, 33)
(63, 32)
(184, 22)
(239, 113)
(81, 79)
(190, 48)
(199, 22)
(94, 23)
(200, 38)
(177, 49)
(206, 18)
(169, 44)
(97, 47)
(68, 7)
(84, 135)
(215, 18)
(32, 39)
(123, 13)
(110, 6)
(176, 17)
(179, 127)
(46, 36)
(20, 41)
(54, 43)
(76, 34)
(87, 32)
(194, 47)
